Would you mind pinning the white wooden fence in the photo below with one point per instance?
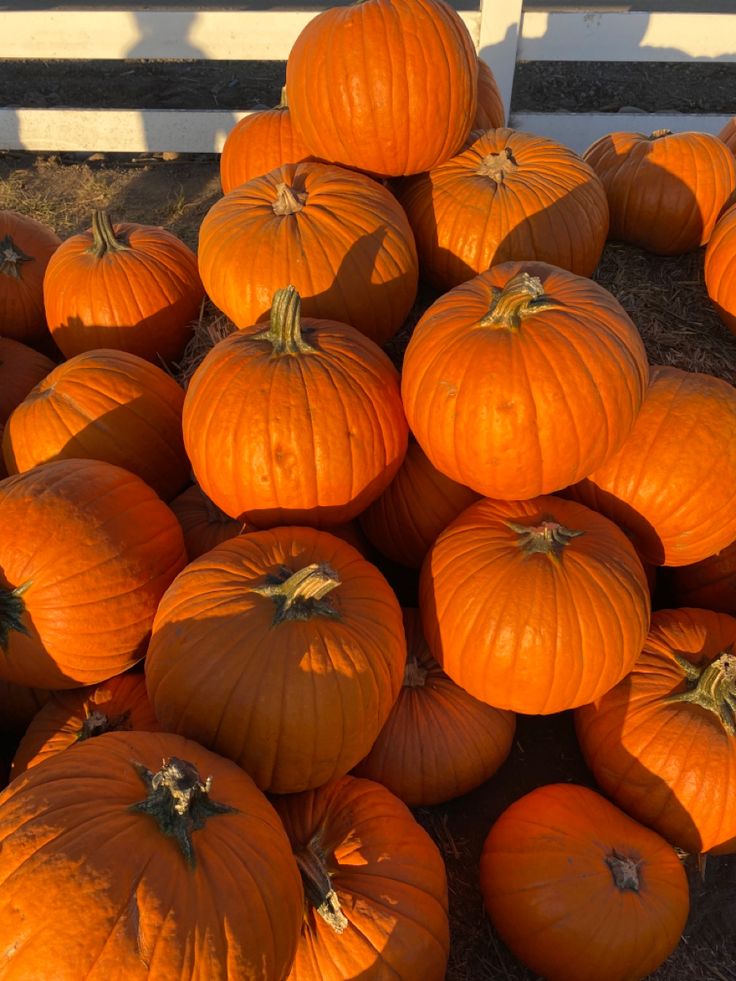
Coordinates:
(503, 32)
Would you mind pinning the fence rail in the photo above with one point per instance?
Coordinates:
(501, 30)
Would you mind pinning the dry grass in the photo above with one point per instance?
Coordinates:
(211, 327)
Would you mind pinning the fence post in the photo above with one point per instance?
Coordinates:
(500, 27)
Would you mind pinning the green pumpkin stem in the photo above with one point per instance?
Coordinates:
(11, 258)
(288, 201)
(549, 537)
(498, 166)
(12, 609)
(712, 687)
(625, 871)
(301, 595)
(285, 329)
(178, 801)
(318, 891)
(103, 236)
(97, 722)
(521, 297)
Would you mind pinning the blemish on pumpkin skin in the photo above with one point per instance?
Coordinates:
(450, 389)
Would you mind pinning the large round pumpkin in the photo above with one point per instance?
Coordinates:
(20, 369)
(490, 113)
(86, 552)
(665, 191)
(325, 430)
(523, 380)
(26, 245)
(728, 134)
(662, 743)
(114, 864)
(375, 886)
(534, 606)
(283, 650)
(578, 890)
(127, 286)
(509, 195)
(709, 584)
(672, 484)
(387, 86)
(103, 405)
(340, 238)
(720, 268)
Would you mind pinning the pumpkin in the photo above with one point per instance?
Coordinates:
(662, 743)
(375, 887)
(18, 706)
(509, 195)
(325, 430)
(709, 584)
(26, 245)
(283, 650)
(415, 507)
(523, 380)
(534, 606)
(258, 143)
(578, 890)
(86, 552)
(103, 405)
(728, 134)
(664, 191)
(341, 238)
(490, 113)
(387, 86)
(720, 268)
(672, 484)
(438, 742)
(116, 864)
(20, 369)
(126, 286)
(203, 523)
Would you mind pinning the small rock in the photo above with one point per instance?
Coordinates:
(169, 155)
(95, 157)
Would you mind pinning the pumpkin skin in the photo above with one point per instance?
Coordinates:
(228, 628)
(522, 378)
(20, 369)
(728, 134)
(667, 761)
(438, 742)
(26, 245)
(489, 114)
(203, 523)
(510, 597)
(86, 551)
(509, 195)
(103, 405)
(676, 503)
(340, 238)
(665, 191)
(720, 268)
(103, 857)
(551, 894)
(709, 584)
(387, 880)
(325, 430)
(126, 286)
(369, 69)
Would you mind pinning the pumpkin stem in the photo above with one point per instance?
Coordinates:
(625, 871)
(288, 201)
(178, 801)
(285, 330)
(97, 722)
(521, 297)
(12, 609)
(657, 134)
(415, 674)
(301, 595)
(497, 166)
(712, 686)
(318, 890)
(549, 537)
(103, 236)
(11, 258)
(283, 103)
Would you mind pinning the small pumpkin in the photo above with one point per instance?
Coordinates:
(26, 245)
(20, 369)
(728, 134)
(720, 268)
(490, 113)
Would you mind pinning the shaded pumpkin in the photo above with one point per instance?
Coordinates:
(26, 245)
(103, 405)
(375, 887)
(21, 368)
(325, 430)
(720, 268)
(339, 237)
(283, 650)
(86, 551)
(534, 606)
(578, 890)
(387, 86)
(728, 134)
(438, 742)
(508, 196)
(126, 286)
(665, 191)
(672, 484)
(18, 705)
(709, 584)
(523, 380)
(203, 523)
(147, 867)
(490, 113)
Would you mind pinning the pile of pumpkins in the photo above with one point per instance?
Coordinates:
(225, 713)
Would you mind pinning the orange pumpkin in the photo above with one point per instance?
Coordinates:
(203, 523)
(103, 405)
(26, 245)
(577, 890)
(709, 584)
(728, 134)
(341, 238)
(720, 268)
(283, 650)
(534, 606)
(20, 369)
(375, 886)
(489, 114)
(523, 380)
(665, 191)
(662, 743)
